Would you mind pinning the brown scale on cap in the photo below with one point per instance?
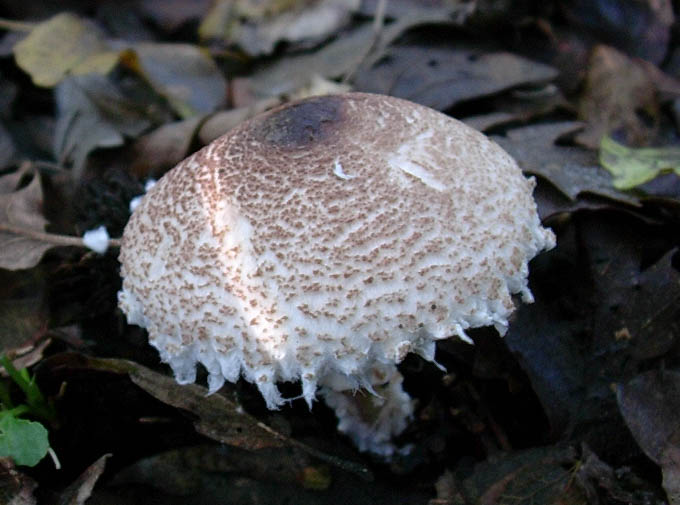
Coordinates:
(301, 124)
(326, 236)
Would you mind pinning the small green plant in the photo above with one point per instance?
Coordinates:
(22, 440)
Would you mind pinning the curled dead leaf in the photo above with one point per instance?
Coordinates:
(216, 417)
(21, 209)
(650, 404)
(620, 93)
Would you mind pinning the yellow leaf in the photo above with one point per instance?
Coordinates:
(58, 46)
(99, 63)
(632, 167)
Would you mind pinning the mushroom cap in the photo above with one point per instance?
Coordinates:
(326, 236)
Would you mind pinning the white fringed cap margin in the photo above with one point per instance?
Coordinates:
(327, 236)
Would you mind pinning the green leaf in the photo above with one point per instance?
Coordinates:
(23, 441)
(634, 166)
(36, 402)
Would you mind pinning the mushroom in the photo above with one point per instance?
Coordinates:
(323, 241)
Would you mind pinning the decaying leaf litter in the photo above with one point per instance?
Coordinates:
(576, 404)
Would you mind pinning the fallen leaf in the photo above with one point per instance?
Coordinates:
(7, 148)
(443, 77)
(171, 14)
(25, 356)
(616, 91)
(603, 277)
(632, 167)
(184, 74)
(448, 492)
(23, 440)
(333, 60)
(221, 122)
(524, 477)
(405, 8)
(78, 492)
(21, 209)
(257, 27)
(670, 466)
(61, 45)
(595, 476)
(483, 122)
(161, 149)
(184, 471)
(518, 106)
(216, 417)
(93, 112)
(210, 474)
(23, 308)
(15, 487)
(571, 169)
(641, 28)
(10, 182)
(639, 308)
(317, 85)
(338, 58)
(650, 404)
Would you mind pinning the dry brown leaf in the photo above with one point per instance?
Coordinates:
(25, 356)
(617, 90)
(21, 209)
(81, 489)
(571, 169)
(184, 74)
(258, 26)
(339, 58)
(216, 417)
(524, 478)
(93, 112)
(10, 182)
(649, 405)
(441, 77)
(171, 14)
(642, 28)
(7, 148)
(163, 148)
(15, 487)
(23, 313)
(221, 122)
(670, 464)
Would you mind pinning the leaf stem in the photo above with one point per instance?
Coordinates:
(50, 238)
(16, 26)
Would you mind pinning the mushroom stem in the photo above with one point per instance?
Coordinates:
(373, 418)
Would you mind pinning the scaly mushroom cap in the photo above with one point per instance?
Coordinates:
(327, 236)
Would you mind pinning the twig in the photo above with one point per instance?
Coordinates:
(48, 166)
(16, 26)
(379, 17)
(51, 238)
(378, 25)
